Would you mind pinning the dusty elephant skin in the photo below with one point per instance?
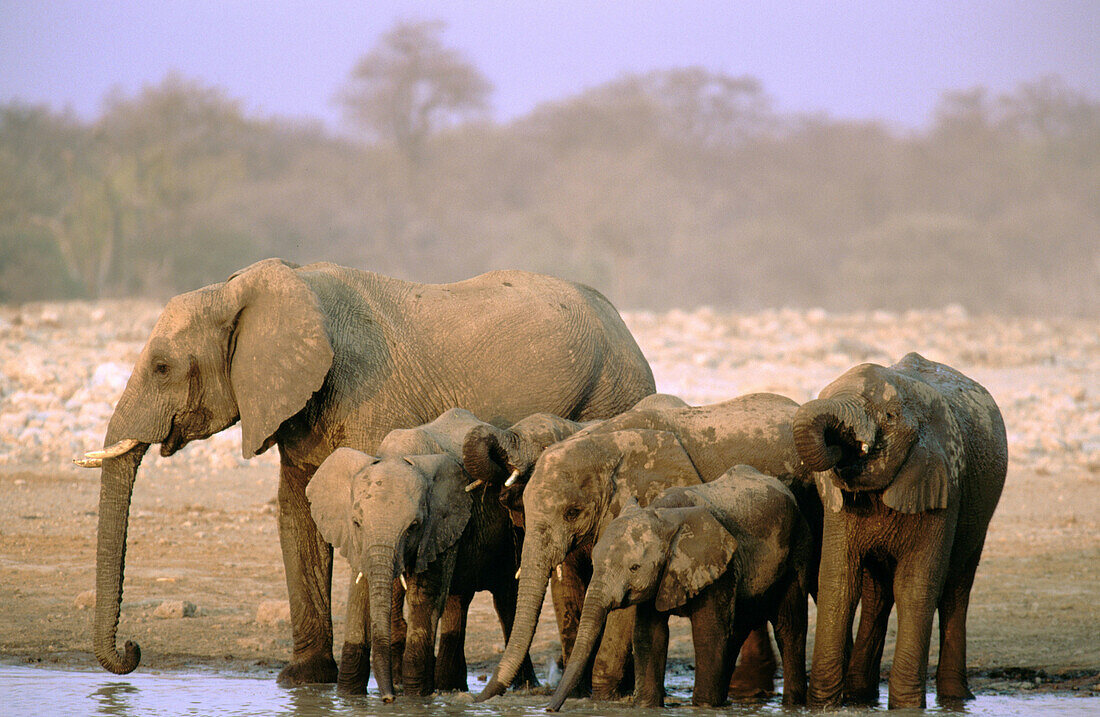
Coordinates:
(318, 357)
(579, 485)
(504, 459)
(408, 512)
(913, 460)
(727, 555)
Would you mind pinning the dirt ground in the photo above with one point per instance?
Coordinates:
(209, 537)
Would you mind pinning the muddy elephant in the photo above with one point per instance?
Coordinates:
(913, 460)
(407, 512)
(578, 485)
(503, 458)
(318, 357)
(728, 555)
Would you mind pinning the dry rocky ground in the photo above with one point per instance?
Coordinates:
(204, 583)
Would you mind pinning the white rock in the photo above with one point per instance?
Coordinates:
(175, 609)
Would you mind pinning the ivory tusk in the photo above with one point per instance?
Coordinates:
(864, 448)
(404, 584)
(518, 570)
(558, 570)
(358, 578)
(118, 449)
(474, 485)
(88, 462)
(512, 478)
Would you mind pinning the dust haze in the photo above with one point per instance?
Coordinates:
(680, 187)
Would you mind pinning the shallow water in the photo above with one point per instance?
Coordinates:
(32, 690)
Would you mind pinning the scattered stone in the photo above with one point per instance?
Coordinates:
(273, 612)
(85, 600)
(175, 609)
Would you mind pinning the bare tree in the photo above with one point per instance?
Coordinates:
(411, 86)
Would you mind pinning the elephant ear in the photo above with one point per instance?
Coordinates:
(922, 481)
(449, 506)
(700, 553)
(925, 478)
(279, 349)
(330, 497)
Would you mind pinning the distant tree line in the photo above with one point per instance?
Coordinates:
(675, 188)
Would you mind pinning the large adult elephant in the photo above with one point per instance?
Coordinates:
(578, 485)
(317, 357)
(913, 459)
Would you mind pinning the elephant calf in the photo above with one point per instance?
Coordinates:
(408, 513)
(728, 555)
(912, 459)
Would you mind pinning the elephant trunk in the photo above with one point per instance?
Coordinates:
(115, 491)
(380, 567)
(827, 429)
(536, 564)
(593, 615)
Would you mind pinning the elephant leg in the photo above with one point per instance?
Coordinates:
(504, 600)
(612, 670)
(915, 591)
(837, 595)
(756, 666)
(422, 598)
(307, 560)
(450, 660)
(399, 631)
(567, 587)
(876, 601)
(951, 681)
(355, 656)
(790, 633)
(716, 645)
(650, 642)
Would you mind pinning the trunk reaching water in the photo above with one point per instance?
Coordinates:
(115, 491)
(589, 630)
(380, 586)
(535, 573)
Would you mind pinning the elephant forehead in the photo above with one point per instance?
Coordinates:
(626, 540)
(391, 479)
(186, 310)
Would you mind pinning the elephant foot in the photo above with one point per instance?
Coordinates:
(525, 678)
(857, 694)
(452, 682)
(309, 670)
(354, 669)
(953, 690)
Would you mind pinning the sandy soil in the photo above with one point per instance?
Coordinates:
(203, 527)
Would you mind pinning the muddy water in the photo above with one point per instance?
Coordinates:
(30, 691)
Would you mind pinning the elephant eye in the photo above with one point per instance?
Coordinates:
(161, 367)
(571, 514)
(635, 567)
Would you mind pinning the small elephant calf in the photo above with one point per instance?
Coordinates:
(408, 514)
(729, 555)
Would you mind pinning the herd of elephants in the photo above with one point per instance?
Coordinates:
(502, 433)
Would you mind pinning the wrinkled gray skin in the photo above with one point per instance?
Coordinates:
(578, 486)
(317, 357)
(495, 456)
(728, 555)
(407, 512)
(914, 458)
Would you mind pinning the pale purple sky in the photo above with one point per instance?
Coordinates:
(874, 60)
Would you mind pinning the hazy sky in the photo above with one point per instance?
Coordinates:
(882, 60)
